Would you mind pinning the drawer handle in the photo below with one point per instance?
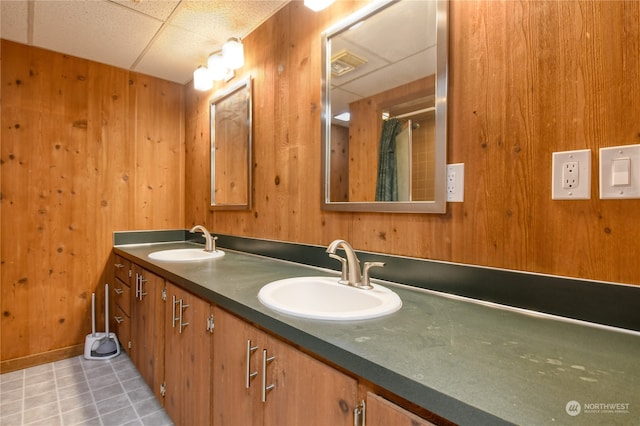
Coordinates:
(118, 319)
(119, 265)
(118, 291)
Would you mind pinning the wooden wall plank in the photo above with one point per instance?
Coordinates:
(68, 174)
(527, 78)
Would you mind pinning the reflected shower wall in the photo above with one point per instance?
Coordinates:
(415, 146)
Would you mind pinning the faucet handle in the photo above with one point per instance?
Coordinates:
(213, 243)
(344, 279)
(365, 274)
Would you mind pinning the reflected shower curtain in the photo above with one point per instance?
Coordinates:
(387, 183)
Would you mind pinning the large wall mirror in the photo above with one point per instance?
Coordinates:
(384, 124)
(231, 124)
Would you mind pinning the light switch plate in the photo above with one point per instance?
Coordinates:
(571, 175)
(627, 167)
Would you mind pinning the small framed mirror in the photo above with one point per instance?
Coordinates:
(384, 93)
(231, 134)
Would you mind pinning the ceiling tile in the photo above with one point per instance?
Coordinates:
(163, 38)
(221, 19)
(98, 30)
(13, 21)
(174, 55)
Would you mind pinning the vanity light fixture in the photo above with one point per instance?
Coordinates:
(318, 5)
(220, 65)
(233, 53)
(202, 79)
(217, 66)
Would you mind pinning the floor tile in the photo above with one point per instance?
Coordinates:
(77, 391)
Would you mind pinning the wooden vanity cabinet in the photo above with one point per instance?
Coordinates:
(121, 301)
(235, 373)
(147, 327)
(264, 381)
(188, 344)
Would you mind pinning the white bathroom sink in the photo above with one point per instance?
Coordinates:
(324, 298)
(185, 255)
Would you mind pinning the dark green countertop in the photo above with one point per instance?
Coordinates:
(469, 362)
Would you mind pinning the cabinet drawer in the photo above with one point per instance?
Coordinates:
(123, 329)
(123, 270)
(122, 296)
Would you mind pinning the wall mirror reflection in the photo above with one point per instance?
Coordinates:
(384, 109)
(231, 129)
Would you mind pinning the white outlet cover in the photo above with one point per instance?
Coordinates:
(582, 190)
(455, 183)
(607, 156)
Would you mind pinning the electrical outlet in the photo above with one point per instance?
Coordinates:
(455, 182)
(571, 175)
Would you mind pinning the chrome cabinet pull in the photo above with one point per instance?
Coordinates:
(250, 374)
(360, 414)
(266, 388)
(140, 293)
(181, 324)
(173, 311)
(118, 291)
(118, 319)
(119, 265)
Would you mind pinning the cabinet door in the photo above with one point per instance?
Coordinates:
(233, 402)
(306, 391)
(381, 412)
(187, 358)
(302, 390)
(147, 327)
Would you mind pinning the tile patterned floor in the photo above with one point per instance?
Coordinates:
(76, 391)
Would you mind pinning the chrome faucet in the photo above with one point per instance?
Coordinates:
(351, 266)
(210, 242)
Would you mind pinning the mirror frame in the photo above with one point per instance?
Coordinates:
(439, 204)
(244, 85)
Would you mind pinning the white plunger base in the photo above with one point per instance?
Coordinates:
(92, 342)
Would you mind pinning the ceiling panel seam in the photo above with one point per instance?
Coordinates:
(166, 22)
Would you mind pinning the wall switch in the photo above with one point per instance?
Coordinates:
(455, 182)
(571, 175)
(619, 172)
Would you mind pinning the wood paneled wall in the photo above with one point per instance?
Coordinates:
(86, 149)
(527, 78)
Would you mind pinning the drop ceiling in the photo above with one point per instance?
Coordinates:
(167, 39)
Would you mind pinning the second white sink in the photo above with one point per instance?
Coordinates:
(324, 298)
(185, 255)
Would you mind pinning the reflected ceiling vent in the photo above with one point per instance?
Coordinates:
(344, 62)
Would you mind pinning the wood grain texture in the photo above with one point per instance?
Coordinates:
(188, 359)
(86, 150)
(527, 78)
